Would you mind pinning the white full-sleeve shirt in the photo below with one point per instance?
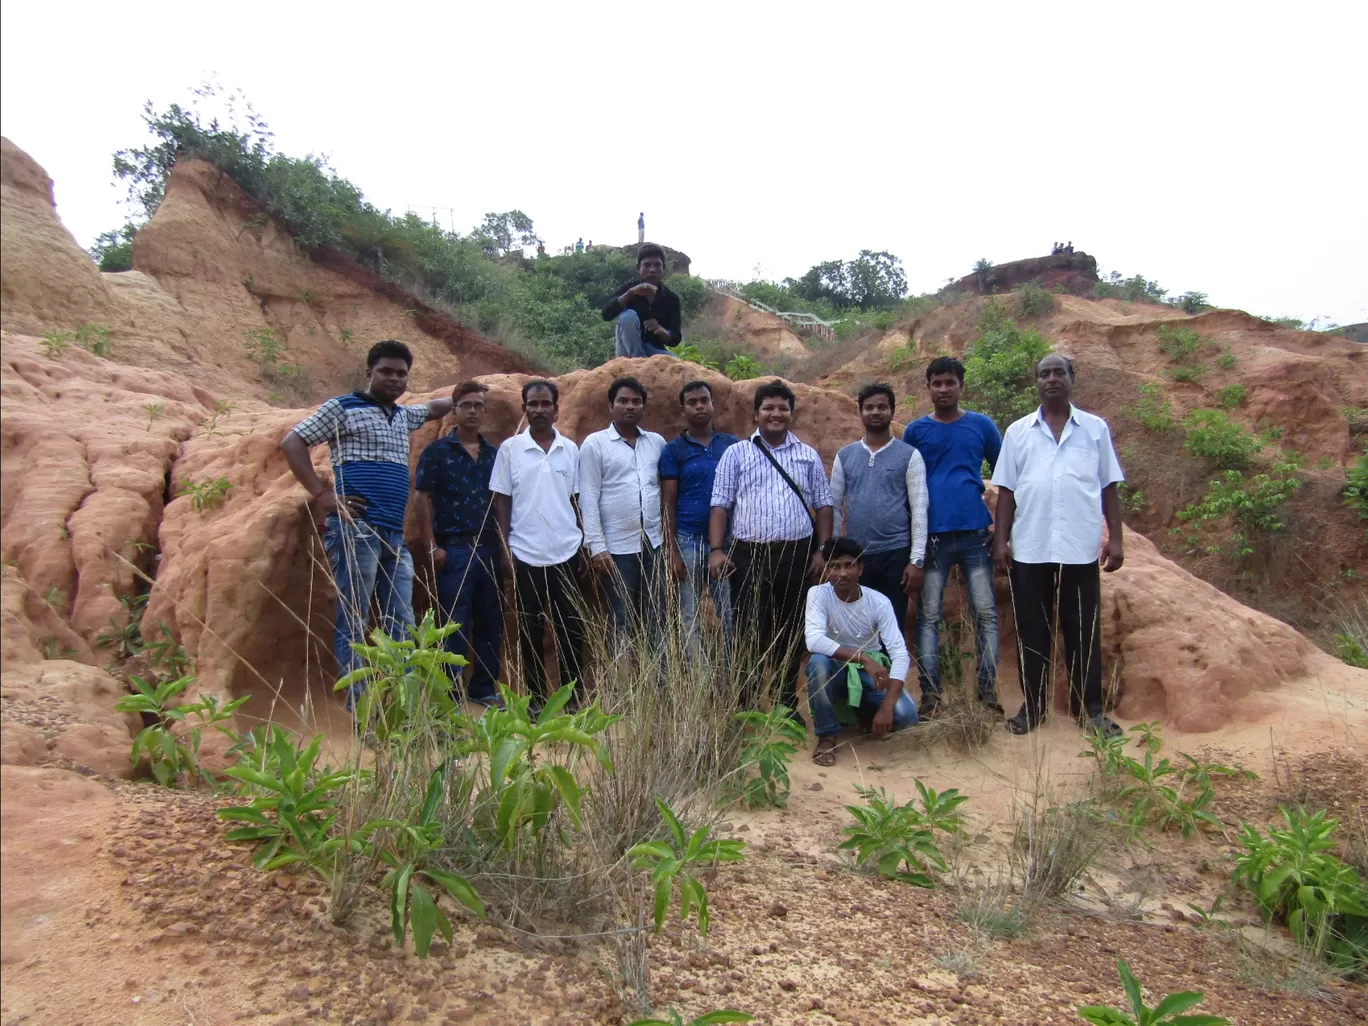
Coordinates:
(1058, 486)
(862, 625)
(619, 490)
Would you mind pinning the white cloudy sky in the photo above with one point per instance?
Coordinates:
(1212, 146)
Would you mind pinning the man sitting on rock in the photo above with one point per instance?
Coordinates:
(846, 626)
(1057, 475)
(363, 509)
(648, 314)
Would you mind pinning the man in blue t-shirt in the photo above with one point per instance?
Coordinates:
(687, 466)
(954, 444)
(363, 508)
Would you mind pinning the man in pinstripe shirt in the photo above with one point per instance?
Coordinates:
(773, 494)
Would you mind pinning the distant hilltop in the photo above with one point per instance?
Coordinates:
(1076, 272)
(675, 261)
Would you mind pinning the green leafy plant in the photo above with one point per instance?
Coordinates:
(899, 839)
(1181, 345)
(741, 367)
(690, 353)
(1033, 300)
(125, 638)
(1356, 491)
(715, 1018)
(1296, 878)
(398, 678)
(305, 296)
(772, 739)
(1350, 649)
(408, 850)
(166, 653)
(1186, 375)
(53, 342)
(154, 411)
(1166, 1013)
(94, 339)
(1211, 434)
(205, 494)
(999, 366)
(1253, 507)
(674, 862)
(1226, 361)
(1153, 410)
(1160, 793)
(171, 741)
(1149, 735)
(346, 335)
(57, 599)
(1110, 752)
(292, 810)
(1230, 396)
(265, 347)
(53, 649)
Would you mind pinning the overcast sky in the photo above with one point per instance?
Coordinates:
(1217, 147)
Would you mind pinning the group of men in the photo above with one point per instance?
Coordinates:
(792, 560)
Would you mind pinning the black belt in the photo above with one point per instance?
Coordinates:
(473, 540)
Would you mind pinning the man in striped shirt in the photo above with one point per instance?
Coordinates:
(773, 493)
(363, 509)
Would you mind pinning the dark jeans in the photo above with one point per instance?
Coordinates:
(827, 688)
(883, 571)
(470, 594)
(1075, 591)
(969, 551)
(542, 593)
(634, 595)
(768, 591)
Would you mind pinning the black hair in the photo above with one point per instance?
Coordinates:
(620, 383)
(650, 250)
(945, 365)
(1068, 364)
(869, 391)
(550, 386)
(694, 386)
(775, 389)
(468, 388)
(388, 349)
(837, 548)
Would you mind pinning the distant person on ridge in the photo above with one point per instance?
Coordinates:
(1057, 476)
(579, 244)
(648, 314)
(457, 526)
(641, 228)
(363, 510)
(1068, 248)
(879, 487)
(954, 444)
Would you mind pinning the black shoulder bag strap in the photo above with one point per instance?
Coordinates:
(764, 449)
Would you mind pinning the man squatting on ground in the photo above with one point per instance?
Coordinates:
(647, 313)
(456, 524)
(879, 487)
(688, 468)
(766, 491)
(1057, 476)
(847, 625)
(954, 444)
(619, 489)
(535, 481)
(363, 512)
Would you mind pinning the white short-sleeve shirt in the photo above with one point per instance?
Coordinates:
(1058, 486)
(543, 529)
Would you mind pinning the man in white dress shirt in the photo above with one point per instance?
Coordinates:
(619, 482)
(1056, 477)
(534, 481)
(847, 623)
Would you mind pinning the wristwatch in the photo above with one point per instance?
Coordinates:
(919, 563)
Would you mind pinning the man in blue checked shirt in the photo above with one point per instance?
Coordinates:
(363, 510)
(457, 526)
(773, 492)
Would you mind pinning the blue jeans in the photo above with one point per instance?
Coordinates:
(968, 550)
(628, 339)
(368, 563)
(633, 589)
(470, 594)
(826, 685)
(693, 548)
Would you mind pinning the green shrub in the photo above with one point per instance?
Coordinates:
(171, 741)
(113, 250)
(1253, 507)
(1033, 300)
(1212, 435)
(1192, 302)
(772, 739)
(1297, 879)
(205, 494)
(1226, 361)
(1135, 289)
(691, 353)
(1186, 375)
(899, 839)
(677, 861)
(999, 367)
(1179, 344)
(1356, 492)
(692, 292)
(1166, 1013)
(742, 367)
(1231, 396)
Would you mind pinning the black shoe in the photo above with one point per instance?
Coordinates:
(930, 706)
(991, 703)
(1104, 725)
(1023, 722)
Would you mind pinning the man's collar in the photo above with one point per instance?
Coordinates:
(613, 432)
(452, 436)
(875, 452)
(788, 438)
(1040, 414)
(531, 443)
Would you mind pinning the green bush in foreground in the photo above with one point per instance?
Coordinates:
(899, 839)
(1165, 1013)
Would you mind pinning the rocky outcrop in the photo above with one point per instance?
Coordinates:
(675, 261)
(1075, 272)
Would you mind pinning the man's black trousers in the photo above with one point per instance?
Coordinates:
(549, 592)
(769, 593)
(1074, 591)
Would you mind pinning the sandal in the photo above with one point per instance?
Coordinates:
(1022, 723)
(1103, 725)
(825, 752)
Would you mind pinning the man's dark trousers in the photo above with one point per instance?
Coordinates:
(1075, 591)
(549, 592)
(769, 595)
(883, 571)
(470, 594)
